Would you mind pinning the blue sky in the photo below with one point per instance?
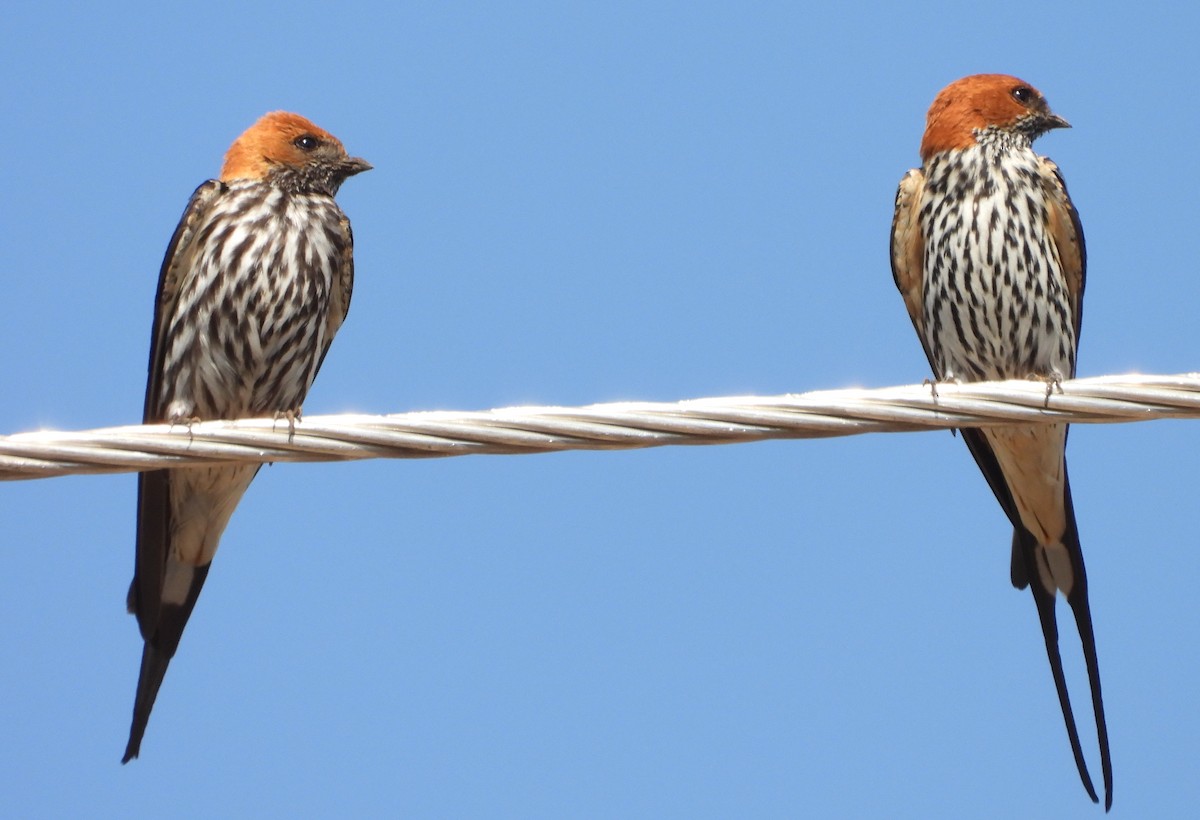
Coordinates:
(575, 203)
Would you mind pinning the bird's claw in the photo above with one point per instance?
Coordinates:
(186, 421)
(1053, 385)
(292, 417)
(932, 384)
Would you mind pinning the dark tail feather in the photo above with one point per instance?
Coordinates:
(156, 656)
(154, 668)
(1083, 621)
(1016, 570)
(1078, 600)
(1045, 607)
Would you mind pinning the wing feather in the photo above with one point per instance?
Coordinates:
(154, 492)
(343, 289)
(175, 266)
(1066, 231)
(908, 252)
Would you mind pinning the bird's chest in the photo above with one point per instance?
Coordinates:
(253, 314)
(995, 300)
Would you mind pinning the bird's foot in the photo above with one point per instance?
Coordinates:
(292, 417)
(1053, 385)
(185, 420)
(932, 384)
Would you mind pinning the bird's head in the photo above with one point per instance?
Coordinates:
(289, 151)
(966, 107)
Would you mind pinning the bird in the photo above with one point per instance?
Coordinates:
(255, 283)
(988, 253)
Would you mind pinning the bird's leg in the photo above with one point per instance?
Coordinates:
(186, 420)
(933, 391)
(292, 416)
(1053, 385)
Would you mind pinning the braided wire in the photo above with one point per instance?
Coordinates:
(612, 426)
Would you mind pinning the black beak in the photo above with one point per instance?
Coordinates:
(354, 165)
(1050, 120)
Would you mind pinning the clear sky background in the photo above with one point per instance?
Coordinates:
(575, 203)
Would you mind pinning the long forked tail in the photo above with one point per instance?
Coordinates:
(1026, 545)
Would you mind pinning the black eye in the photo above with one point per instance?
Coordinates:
(306, 142)
(1023, 94)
